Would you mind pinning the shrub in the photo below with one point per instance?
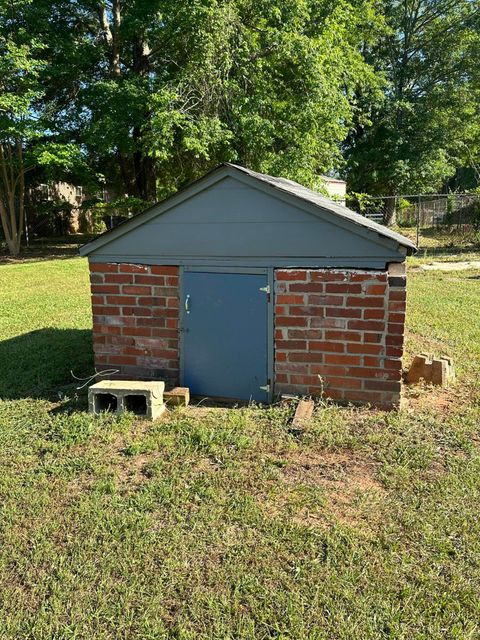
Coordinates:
(91, 217)
(52, 218)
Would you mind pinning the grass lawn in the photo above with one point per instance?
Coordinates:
(445, 243)
(226, 523)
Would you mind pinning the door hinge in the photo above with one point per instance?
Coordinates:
(266, 388)
(265, 289)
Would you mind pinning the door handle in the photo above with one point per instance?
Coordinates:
(187, 303)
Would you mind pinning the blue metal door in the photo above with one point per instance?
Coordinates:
(224, 330)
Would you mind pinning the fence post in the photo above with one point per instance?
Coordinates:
(418, 220)
(27, 231)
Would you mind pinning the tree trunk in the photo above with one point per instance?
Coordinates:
(12, 245)
(111, 34)
(126, 173)
(390, 211)
(143, 164)
(11, 180)
(145, 186)
(117, 18)
(137, 171)
(21, 191)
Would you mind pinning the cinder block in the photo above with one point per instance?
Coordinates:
(421, 367)
(142, 398)
(442, 371)
(179, 396)
(437, 371)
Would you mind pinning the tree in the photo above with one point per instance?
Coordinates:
(27, 148)
(158, 92)
(19, 87)
(421, 129)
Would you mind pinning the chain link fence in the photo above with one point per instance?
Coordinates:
(423, 212)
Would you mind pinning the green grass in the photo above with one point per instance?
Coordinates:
(45, 326)
(226, 523)
(443, 317)
(445, 243)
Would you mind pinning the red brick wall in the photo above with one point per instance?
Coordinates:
(340, 333)
(135, 319)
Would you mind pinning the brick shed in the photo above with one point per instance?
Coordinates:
(244, 286)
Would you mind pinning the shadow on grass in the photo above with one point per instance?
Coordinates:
(455, 241)
(38, 364)
(41, 254)
(47, 249)
(448, 250)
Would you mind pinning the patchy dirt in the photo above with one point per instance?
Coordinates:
(333, 467)
(201, 410)
(132, 472)
(426, 396)
(450, 266)
(348, 483)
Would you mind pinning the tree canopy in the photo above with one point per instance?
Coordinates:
(427, 121)
(147, 95)
(160, 91)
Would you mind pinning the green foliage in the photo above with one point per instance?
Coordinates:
(476, 210)
(403, 204)
(19, 72)
(19, 89)
(147, 96)
(426, 124)
(91, 218)
(269, 84)
(476, 215)
(55, 216)
(61, 162)
(448, 219)
(23, 103)
(125, 207)
(94, 214)
(363, 202)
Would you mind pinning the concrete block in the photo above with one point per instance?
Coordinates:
(442, 371)
(145, 399)
(397, 269)
(420, 368)
(179, 396)
(437, 371)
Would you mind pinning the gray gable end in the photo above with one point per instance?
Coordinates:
(231, 217)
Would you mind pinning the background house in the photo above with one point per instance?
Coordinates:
(57, 209)
(336, 188)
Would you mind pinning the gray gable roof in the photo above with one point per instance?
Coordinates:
(276, 186)
(315, 198)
